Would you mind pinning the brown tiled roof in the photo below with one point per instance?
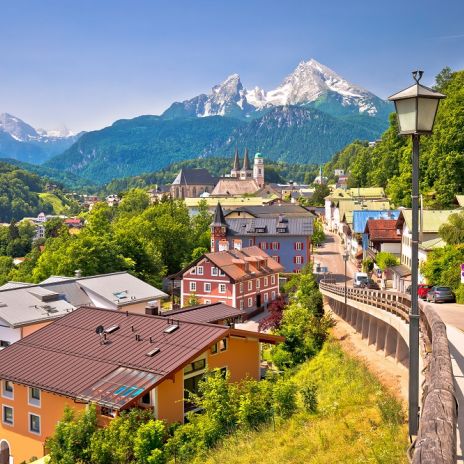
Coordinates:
(68, 358)
(205, 313)
(383, 230)
(254, 257)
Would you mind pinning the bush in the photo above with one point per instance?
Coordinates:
(367, 265)
(255, 403)
(309, 397)
(384, 260)
(285, 398)
(460, 294)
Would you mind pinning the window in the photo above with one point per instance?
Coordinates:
(275, 245)
(299, 245)
(273, 295)
(222, 288)
(276, 258)
(223, 371)
(200, 270)
(241, 304)
(34, 396)
(241, 287)
(146, 399)
(7, 415)
(250, 285)
(207, 287)
(193, 286)
(34, 423)
(266, 297)
(193, 270)
(250, 302)
(266, 281)
(7, 389)
(221, 272)
(214, 271)
(195, 366)
(258, 284)
(223, 344)
(298, 259)
(272, 279)
(250, 242)
(263, 245)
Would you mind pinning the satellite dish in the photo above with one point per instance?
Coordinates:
(100, 329)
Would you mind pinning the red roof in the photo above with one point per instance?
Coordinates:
(73, 221)
(68, 357)
(244, 264)
(383, 230)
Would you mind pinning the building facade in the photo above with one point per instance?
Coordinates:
(247, 278)
(286, 239)
(130, 363)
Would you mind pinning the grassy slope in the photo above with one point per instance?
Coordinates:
(349, 426)
(57, 204)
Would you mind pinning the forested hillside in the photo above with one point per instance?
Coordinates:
(388, 163)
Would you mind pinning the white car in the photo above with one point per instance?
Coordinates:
(360, 278)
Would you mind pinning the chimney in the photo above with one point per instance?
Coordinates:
(223, 245)
(152, 308)
(78, 273)
(237, 244)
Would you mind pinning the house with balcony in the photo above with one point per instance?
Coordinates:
(245, 278)
(383, 235)
(115, 361)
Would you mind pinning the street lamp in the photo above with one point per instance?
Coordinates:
(416, 108)
(346, 255)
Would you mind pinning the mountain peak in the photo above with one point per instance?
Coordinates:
(311, 82)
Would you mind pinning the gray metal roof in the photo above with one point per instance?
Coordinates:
(31, 303)
(273, 210)
(194, 177)
(302, 226)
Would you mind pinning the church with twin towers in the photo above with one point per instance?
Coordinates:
(244, 179)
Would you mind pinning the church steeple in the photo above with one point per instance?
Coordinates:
(246, 171)
(218, 228)
(246, 161)
(236, 167)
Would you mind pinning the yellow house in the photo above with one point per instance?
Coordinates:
(117, 361)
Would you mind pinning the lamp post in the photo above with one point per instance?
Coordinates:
(345, 255)
(416, 108)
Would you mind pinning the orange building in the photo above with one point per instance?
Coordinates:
(116, 361)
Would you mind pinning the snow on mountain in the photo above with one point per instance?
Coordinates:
(23, 132)
(309, 82)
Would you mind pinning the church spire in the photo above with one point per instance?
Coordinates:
(236, 160)
(219, 219)
(246, 161)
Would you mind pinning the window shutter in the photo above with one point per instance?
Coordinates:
(278, 245)
(294, 260)
(294, 245)
(302, 245)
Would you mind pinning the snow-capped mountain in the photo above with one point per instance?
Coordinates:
(21, 141)
(310, 83)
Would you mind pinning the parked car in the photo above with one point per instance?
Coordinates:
(439, 294)
(371, 284)
(422, 290)
(360, 278)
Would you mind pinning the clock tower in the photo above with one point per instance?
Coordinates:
(218, 228)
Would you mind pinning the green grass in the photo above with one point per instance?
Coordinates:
(58, 205)
(357, 421)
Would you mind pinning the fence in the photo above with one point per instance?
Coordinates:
(436, 440)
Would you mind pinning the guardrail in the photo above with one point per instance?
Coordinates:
(436, 440)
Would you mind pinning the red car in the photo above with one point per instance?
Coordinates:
(422, 290)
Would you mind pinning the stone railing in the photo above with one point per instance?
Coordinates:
(436, 440)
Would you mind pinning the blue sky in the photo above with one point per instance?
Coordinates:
(85, 64)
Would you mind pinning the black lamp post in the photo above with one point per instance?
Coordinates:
(416, 108)
(346, 255)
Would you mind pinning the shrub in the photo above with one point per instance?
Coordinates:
(148, 443)
(384, 260)
(309, 396)
(255, 403)
(285, 398)
(367, 265)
